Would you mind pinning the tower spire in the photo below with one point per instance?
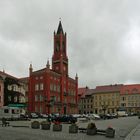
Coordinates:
(60, 59)
(60, 28)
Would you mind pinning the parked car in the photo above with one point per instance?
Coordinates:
(64, 118)
(106, 116)
(34, 115)
(94, 116)
(24, 117)
(43, 115)
(114, 115)
(77, 115)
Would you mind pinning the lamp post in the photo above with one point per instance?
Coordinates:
(104, 108)
(48, 104)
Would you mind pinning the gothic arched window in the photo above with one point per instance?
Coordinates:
(57, 46)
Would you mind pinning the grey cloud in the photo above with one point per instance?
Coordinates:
(103, 43)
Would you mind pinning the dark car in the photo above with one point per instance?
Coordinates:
(106, 116)
(65, 118)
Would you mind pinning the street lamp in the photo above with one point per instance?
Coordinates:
(104, 108)
(48, 103)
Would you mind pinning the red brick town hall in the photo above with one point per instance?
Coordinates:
(51, 90)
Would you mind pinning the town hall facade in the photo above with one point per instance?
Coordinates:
(51, 90)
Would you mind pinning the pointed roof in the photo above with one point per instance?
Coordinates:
(3, 74)
(60, 28)
(48, 64)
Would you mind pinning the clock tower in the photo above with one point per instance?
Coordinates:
(60, 59)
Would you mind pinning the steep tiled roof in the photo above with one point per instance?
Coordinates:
(82, 90)
(24, 79)
(103, 89)
(108, 88)
(130, 89)
(39, 71)
(3, 74)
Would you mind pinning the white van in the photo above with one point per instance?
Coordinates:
(10, 113)
(122, 114)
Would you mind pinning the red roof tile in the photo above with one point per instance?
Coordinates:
(130, 89)
(82, 90)
(108, 88)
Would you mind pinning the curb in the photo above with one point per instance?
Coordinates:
(19, 126)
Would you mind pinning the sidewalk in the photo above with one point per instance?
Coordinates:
(134, 134)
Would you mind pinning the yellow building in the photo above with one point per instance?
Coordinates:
(102, 99)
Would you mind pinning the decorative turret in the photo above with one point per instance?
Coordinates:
(48, 64)
(76, 77)
(30, 69)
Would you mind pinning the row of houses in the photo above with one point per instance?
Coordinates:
(109, 99)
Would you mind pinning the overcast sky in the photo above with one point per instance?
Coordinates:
(103, 38)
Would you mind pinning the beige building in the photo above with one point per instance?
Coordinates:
(102, 99)
(130, 98)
